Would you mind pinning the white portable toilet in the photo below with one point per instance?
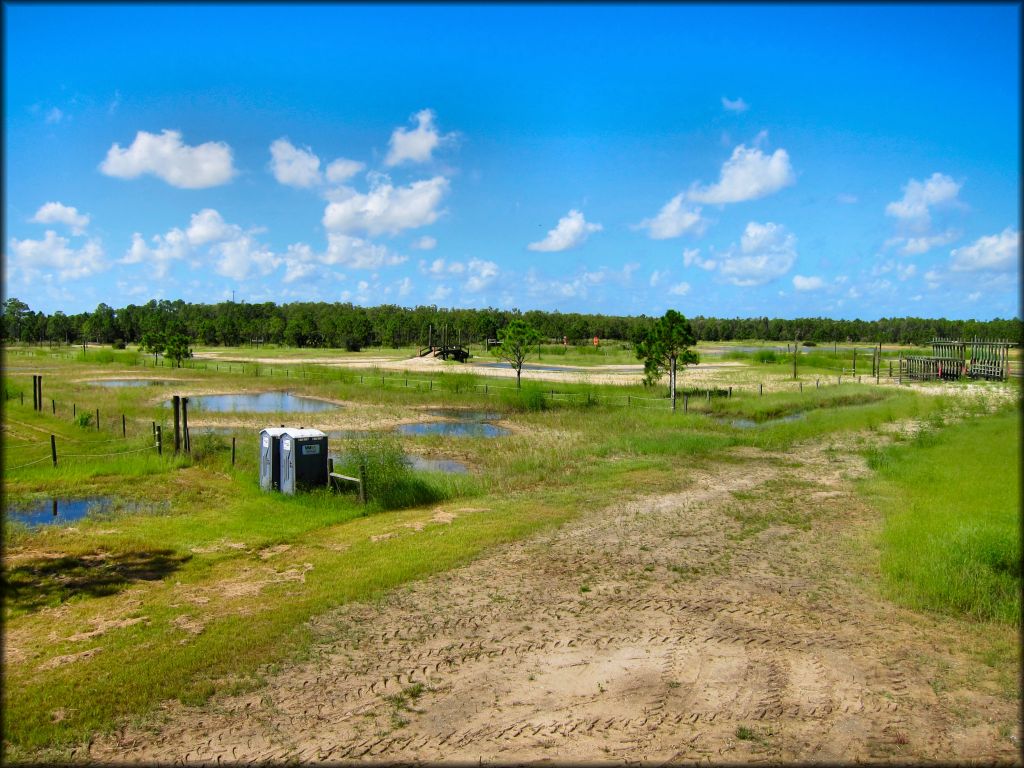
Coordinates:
(303, 459)
(270, 458)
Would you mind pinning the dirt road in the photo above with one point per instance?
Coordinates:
(727, 622)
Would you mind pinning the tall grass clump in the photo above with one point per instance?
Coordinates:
(531, 397)
(390, 482)
(951, 541)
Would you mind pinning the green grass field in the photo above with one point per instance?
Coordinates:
(952, 536)
(192, 561)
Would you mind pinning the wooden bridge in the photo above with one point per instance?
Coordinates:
(446, 349)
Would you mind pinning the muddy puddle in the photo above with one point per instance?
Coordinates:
(262, 402)
(59, 511)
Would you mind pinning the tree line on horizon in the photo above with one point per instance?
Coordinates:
(352, 327)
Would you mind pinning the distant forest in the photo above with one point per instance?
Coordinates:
(347, 326)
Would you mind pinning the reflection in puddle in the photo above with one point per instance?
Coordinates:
(457, 414)
(58, 511)
(419, 463)
(263, 402)
(453, 429)
(750, 423)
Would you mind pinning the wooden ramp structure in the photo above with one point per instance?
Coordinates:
(989, 360)
(448, 348)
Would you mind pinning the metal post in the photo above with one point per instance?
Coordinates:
(53, 450)
(232, 450)
(124, 429)
(74, 410)
(97, 419)
(730, 393)
(760, 389)
(53, 403)
(159, 442)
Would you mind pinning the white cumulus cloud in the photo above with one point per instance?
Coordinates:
(415, 145)
(168, 158)
(482, 274)
(425, 243)
(208, 226)
(679, 289)
(58, 213)
(691, 258)
(674, 219)
(342, 169)
(920, 196)
(53, 255)
(734, 105)
(571, 230)
(767, 251)
(167, 248)
(386, 208)
(293, 166)
(357, 253)
(747, 175)
(993, 252)
(802, 283)
(242, 256)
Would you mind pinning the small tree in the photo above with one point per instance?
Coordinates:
(517, 339)
(663, 346)
(177, 349)
(154, 342)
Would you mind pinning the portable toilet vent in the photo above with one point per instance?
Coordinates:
(270, 458)
(303, 459)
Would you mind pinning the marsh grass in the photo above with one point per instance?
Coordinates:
(951, 541)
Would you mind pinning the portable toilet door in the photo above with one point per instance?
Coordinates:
(303, 459)
(270, 458)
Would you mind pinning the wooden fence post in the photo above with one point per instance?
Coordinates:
(176, 404)
(97, 419)
(232, 450)
(124, 430)
(53, 450)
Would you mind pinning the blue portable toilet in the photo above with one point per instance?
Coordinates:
(303, 459)
(270, 458)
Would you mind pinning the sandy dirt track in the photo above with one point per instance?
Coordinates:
(654, 631)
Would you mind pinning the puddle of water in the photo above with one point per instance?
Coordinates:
(750, 423)
(59, 511)
(453, 429)
(436, 465)
(264, 402)
(421, 463)
(130, 383)
(457, 414)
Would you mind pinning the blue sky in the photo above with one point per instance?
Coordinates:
(727, 160)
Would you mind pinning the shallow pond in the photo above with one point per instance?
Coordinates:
(58, 511)
(750, 423)
(263, 402)
(420, 463)
(453, 429)
(130, 383)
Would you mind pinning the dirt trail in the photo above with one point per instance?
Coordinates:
(659, 630)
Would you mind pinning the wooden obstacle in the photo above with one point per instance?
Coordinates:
(989, 360)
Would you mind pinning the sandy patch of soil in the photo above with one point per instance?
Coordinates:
(69, 658)
(658, 630)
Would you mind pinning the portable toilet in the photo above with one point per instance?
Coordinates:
(303, 459)
(270, 458)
